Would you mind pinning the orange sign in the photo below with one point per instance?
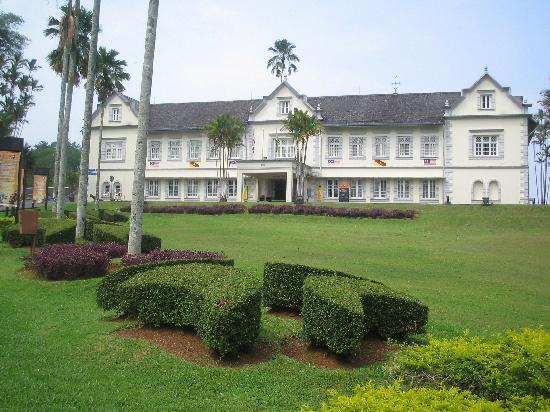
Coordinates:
(344, 186)
(9, 168)
(39, 189)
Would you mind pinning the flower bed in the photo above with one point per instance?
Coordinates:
(374, 213)
(159, 255)
(221, 209)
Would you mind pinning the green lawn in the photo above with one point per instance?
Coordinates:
(482, 269)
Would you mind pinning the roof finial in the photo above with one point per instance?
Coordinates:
(395, 84)
(486, 69)
(250, 110)
(318, 107)
(447, 104)
(285, 77)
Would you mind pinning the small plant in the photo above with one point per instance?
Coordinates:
(226, 208)
(159, 255)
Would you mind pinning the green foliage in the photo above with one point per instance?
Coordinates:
(283, 283)
(50, 230)
(223, 303)
(108, 294)
(376, 398)
(109, 74)
(283, 58)
(119, 234)
(43, 156)
(6, 221)
(502, 367)
(338, 312)
(112, 216)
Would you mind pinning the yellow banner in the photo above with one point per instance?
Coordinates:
(39, 189)
(9, 168)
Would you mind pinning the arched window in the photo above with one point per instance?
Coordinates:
(477, 191)
(105, 189)
(117, 190)
(494, 191)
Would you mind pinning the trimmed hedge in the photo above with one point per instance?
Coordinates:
(158, 255)
(283, 283)
(338, 312)
(50, 230)
(223, 208)
(373, 213)
(112, 216)
(119, 234)
(108, 295)
(222, 303)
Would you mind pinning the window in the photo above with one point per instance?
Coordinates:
(403, 189)
(334, 147)
(212, 188)
(213, 151)
(332, 188)
(113, 150)
(486, 101)
(430, 146)
(117, 189)
(232, 188)
(174, 149)
(486, 145)
(115, 114)
(106, 189)
(356, 147)
(192, 189)
(152, 188)
(284, 148)
(380, 189)
(428, 189)
(154, 150)
(173, 188)
(284, 107)
(404, 148)
(356, 189)
(380, 147)
(194, 150)
(235, 153)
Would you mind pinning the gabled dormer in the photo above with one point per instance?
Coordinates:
(486, 97)
(282, 101)
(120, 110)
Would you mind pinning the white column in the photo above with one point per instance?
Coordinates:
(289, 181)
(239, 186)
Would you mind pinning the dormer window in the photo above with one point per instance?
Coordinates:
(486, 101)
(284, 107)
(115, 114)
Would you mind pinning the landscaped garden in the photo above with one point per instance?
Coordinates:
(485, 270)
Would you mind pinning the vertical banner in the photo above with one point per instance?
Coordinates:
(9, 170)
(39, 189)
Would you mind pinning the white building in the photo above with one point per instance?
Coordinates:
(415, 147)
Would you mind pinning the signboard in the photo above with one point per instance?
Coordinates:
(9, 171)
(343, 192)
(430, 162)
(92, 172)
(319, 193)
(154, 163)
(379, 162)
(39, 189)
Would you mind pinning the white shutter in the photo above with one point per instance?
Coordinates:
(436, 146)
(124, 151)
(471, 144)
(395, 185)
(500, 147)
(492, 97)
(103, 149)
(271, 149)
(437, 190)
(423, 140)
(479, 97)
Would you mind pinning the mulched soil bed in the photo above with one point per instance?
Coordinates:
(185, 344)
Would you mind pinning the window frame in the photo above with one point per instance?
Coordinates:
(334, 147)
(331, 188)
(356, 189)
(212, 152)
(357, 142)
(151, 144)
(403, 189)
(429, 187)
(289, 148)
(112, 113)
(377, 192)
(170, 149)
(210, 184)
(108, 148)
(486, 101)
(175, 194)
(431, 142)
(491, 143)
(231, 187)
(147, 188)
(402, 142)
(381, 142)
(197, 144)
(192, 183)
(284, 107)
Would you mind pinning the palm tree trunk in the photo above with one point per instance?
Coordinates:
(64, 79)
(535, 168)
(136, 214)
(88, 103)
(66, 121)
(98, 175)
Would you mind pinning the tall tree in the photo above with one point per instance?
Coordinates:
(225, 132)
(17, 84)
(541, 147)
(109, 77)
(283, 58)
(88, 103)
(301, 126)
(136, 212)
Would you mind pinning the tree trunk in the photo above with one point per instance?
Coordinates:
(136, 214)
(98, 175)
(66, 121)
(64, 79)
(88, 105)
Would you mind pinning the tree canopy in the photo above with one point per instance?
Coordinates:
(283, 58)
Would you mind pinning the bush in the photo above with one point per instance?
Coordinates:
(119, 234)
(338, 312)
(6, 221)
(112, 216)
(260, 208)
(50, 230)
(68, 261)
(374, 213)
(110, 249)
(501, 367)
(108, 294)
(158, 255)
(222, 303)
(11, 235)
(223, 208)
(283, 283)
(375, 398)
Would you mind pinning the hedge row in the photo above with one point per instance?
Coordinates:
(159, 255)
(223, 303)
(223, 208)
(108, 294)
(339, 312)
(374, 213)
(50, 230)
(119, 234)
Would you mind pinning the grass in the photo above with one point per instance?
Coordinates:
(482, 269)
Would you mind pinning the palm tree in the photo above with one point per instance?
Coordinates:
(109, 77)
(283, 58)
(301, 126)
(88, 103)
(225, 133)
(136, 211)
